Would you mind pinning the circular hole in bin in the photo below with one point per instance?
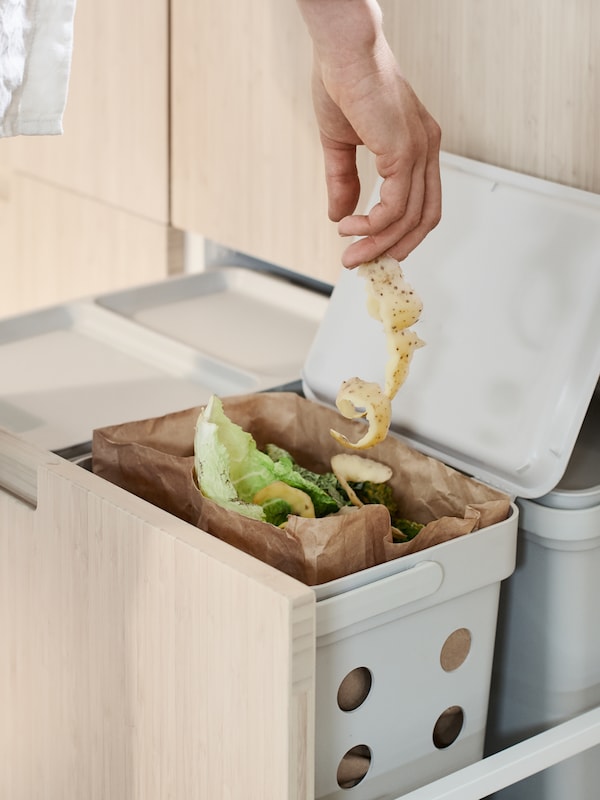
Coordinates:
(455, 649)
(354, 689)
(448, 726)
(354, 766)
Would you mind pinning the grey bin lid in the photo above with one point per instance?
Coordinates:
(510, 282)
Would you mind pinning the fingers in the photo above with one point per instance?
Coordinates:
(398, 211)
(338, 141)
(396, 226)
(341, 177)
(399, 239)
(430, 217)
(400, 198)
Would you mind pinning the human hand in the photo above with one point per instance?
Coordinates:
(361, 98)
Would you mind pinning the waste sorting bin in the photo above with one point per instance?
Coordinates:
(547, 666)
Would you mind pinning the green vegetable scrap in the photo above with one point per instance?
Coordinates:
(323, 488)
(276, 510)
(368, 492)
(231, 470)
(407, 528)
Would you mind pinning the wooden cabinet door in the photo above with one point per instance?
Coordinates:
(513, 84)
(57, 245)
(247, 166)
(115, 143)
(7, 236)
(141, 658)
(88, 211)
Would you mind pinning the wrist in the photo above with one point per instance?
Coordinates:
(342, 31)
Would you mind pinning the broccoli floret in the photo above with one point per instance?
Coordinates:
(407, 528)
(276, 510)
(382, 493)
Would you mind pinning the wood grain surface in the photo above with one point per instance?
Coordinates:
(141, 658)
(513, 84)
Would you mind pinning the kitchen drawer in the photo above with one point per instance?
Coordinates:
(121, 677)
(146, 658)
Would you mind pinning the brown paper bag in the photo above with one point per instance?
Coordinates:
(154, 459)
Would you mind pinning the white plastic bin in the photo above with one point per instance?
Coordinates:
(404, 661)
(548, 650)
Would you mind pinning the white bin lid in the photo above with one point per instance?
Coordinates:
(510, 281)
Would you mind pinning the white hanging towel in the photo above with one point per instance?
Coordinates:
(36, 42)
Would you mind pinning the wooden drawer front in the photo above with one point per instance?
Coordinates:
(145, 659)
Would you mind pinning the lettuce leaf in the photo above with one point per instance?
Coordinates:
(231, 469)
(229, 466)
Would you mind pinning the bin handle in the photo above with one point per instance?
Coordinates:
(374, 598)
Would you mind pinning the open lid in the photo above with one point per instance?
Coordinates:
(510, 283)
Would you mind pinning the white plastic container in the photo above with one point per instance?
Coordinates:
(404, 660)
(510, 282)
(547, 666)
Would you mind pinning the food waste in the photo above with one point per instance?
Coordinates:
(269, 485)
(392, 301)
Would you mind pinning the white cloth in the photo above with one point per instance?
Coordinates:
(36, 42)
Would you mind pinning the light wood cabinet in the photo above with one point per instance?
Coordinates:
(197, 116)
(512, 84)
(58, 245)
(88, 212)
(7, 239)
(246, 161)
(142, 658)
(115, 145)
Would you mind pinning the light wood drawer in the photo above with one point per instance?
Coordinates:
(146, 659)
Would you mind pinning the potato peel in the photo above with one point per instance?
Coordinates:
(349, 467)
(392, 301)
(358, 398)
(360, 468)
(299, 501)
(401, 346)
(390, 298)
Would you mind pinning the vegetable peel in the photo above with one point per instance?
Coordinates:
(353, 468)
(394, 303)
(299, 502)
(358, 398)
